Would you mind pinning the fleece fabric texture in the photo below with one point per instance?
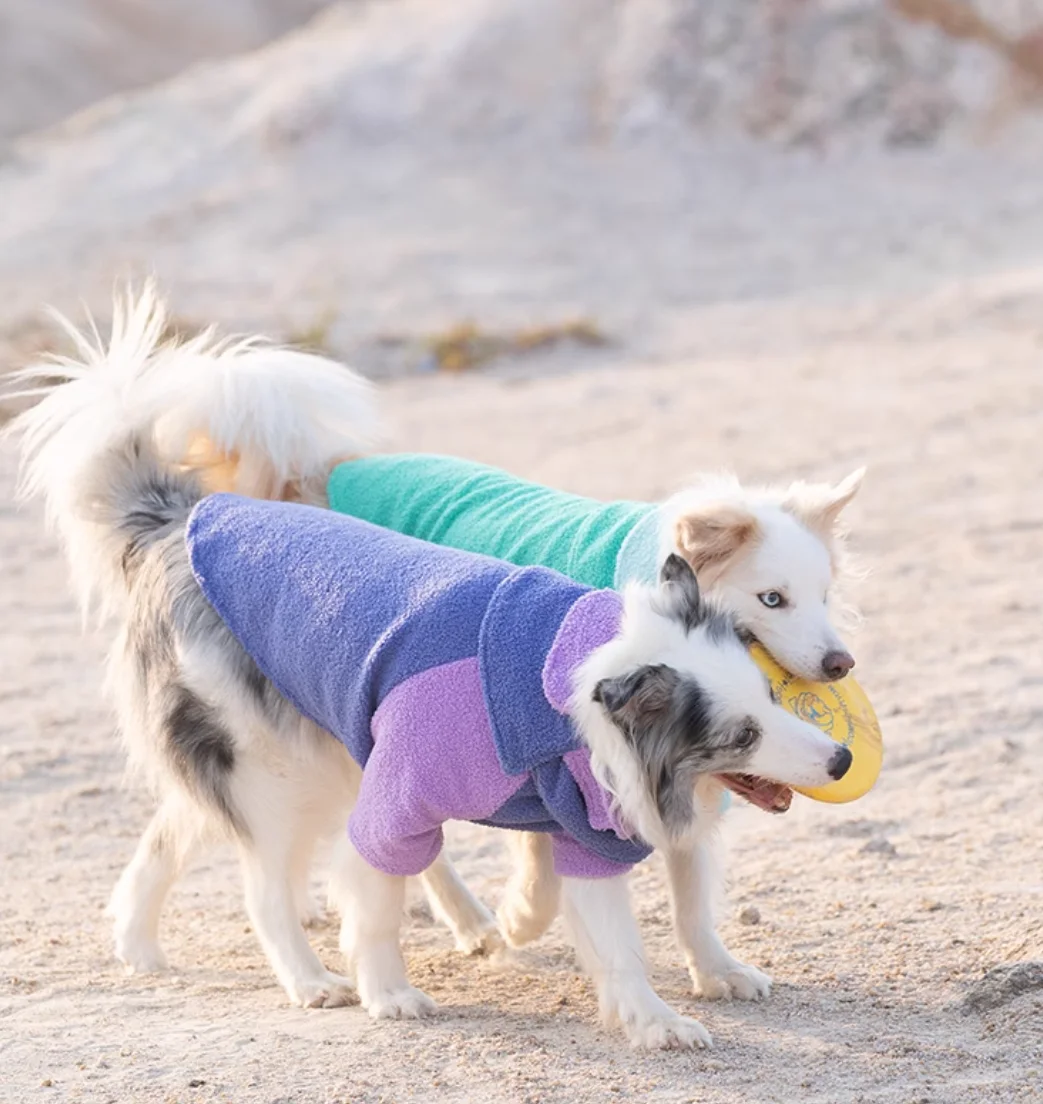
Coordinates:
(462, 504)
(473, 507)
(446, 675)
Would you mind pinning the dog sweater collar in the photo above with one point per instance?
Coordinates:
(535, 613)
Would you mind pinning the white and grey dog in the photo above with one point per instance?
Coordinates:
(227, 754)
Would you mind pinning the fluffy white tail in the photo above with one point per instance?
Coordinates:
(272, 416)
(261, 420)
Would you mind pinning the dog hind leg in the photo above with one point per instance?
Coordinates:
(168, 844)
(308, 910)
(472, 924)
(271, 850)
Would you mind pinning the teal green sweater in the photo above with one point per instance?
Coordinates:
(476, 508)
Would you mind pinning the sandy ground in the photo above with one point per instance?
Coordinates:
(783, 315)
(873, 949)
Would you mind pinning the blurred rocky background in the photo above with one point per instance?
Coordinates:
(379, 177)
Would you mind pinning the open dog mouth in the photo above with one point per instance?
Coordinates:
(772, 797)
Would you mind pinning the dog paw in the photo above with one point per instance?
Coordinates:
(521, 923)
(671, 1032)
(735, 980)
(326, 991)
(310, 914)
(483, 941)
(405, 1003)
(140, 955)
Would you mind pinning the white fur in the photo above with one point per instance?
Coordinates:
(371, 905)
(285, 413)
(472, 924)
(532, 896)
(608, 943)
(785, 555)
(694, 883)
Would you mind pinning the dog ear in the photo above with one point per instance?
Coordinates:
(618, 694)
(710, 535)
(818, 506)
(679, 590)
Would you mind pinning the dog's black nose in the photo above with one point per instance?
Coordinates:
(840, 763)
(835, 665)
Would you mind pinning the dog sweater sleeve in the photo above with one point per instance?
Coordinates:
(433, 760)
(481, 509)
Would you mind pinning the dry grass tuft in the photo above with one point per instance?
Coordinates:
(315, 337)
(466, 346)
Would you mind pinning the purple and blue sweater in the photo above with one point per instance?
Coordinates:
(447, 675)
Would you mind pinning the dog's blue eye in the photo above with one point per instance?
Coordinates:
(747, 736)
(772, 599)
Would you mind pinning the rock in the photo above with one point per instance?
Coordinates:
(859, 829)
(1002, 984)
(749, 915)
(878, 846)
(61, 56)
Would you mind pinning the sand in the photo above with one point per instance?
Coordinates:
(787, 314)
(873, 951)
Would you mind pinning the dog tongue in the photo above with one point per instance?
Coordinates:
(772, 797)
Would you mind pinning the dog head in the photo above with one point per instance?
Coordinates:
(676, 697)
(771, 559)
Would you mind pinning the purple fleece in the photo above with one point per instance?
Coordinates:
(408, 791)
(446, 675)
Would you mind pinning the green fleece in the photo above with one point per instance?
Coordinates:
(476, 508)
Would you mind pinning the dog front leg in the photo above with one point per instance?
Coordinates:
(608, 943)
(471, 923)
(371, 904)
(272, 908)
(717, 974)
(533, 894)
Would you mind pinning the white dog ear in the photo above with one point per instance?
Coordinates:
(711, 534)
(818, 505)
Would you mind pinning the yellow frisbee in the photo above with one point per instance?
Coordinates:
(842, 711)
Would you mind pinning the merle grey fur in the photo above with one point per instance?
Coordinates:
(682, 601)
(668, 721)
(167, 615)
